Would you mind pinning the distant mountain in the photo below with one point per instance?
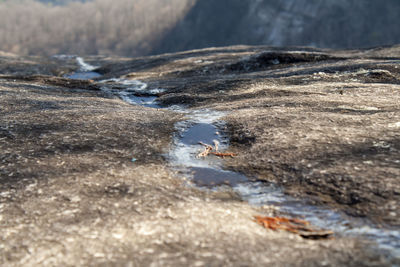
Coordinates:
(321, 23)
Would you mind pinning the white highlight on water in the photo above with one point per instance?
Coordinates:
(84, 66)
(126, 84)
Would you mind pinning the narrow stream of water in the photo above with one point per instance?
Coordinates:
(204, 125)
(85, 71)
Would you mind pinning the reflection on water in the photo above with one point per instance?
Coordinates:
(83, 75)
(210, 177)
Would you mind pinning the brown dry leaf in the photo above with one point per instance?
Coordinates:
(297, 226)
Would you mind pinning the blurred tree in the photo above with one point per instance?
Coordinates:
(123, 27)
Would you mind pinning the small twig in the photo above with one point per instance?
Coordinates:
(222, 155)
(206, 145)
(206, 151)
(216, 144)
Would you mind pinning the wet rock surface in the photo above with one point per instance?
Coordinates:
(85, 180)
(322, 123)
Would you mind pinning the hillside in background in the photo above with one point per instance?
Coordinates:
(143, 27)
(319, 23)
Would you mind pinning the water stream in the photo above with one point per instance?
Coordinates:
(204, 125)
(85, 71)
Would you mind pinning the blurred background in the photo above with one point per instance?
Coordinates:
(145, 27)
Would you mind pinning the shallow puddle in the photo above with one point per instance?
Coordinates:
(210, 177)
(204, 126)
(83, 75)
(200, 132)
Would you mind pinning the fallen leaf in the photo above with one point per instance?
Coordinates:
(297, 226)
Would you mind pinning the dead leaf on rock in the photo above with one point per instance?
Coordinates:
(297, 226)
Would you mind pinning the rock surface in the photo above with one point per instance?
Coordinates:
(323, 124)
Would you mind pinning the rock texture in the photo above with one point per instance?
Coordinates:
(323, 124)
(304, 118)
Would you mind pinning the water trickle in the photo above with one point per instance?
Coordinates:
(211, 177)
(146, 101)
(132, 91)
(85, 71)
(87, 75)
(200, 132)
(259, 194)
(85, 66)
(204, 125)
